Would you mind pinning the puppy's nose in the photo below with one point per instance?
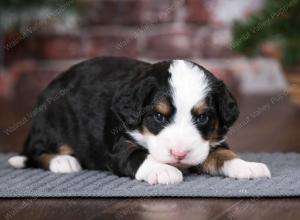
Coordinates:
(179, 154)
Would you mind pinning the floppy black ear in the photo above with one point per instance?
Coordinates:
(130, 102)
(227, 106)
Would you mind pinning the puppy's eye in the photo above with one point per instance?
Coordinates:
(160, 118)
(202, 119)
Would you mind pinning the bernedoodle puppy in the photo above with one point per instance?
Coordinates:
(151, 122)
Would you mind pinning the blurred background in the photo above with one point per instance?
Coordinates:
(254, 46)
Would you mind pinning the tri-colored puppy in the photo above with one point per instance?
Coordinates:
(145, 121)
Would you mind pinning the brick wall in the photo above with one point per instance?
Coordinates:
(147, 29)
(156, 29)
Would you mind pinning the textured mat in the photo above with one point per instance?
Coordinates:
(285, 182)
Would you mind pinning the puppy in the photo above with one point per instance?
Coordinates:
(145, 121)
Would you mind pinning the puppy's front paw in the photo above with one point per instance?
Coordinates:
(164, 174)
(240, 169)
(155, 173)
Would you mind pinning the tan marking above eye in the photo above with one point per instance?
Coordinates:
(163, 108)
(200, 108)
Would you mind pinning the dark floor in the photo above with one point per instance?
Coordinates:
(269, 123)
(167, 209)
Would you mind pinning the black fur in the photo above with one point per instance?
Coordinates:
(92, 105)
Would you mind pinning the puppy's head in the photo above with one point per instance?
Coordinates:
(177, 110)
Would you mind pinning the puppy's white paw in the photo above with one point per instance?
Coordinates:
(157, 173)
(64, 164)
(240, 169)
(17, 161)
(165, 174)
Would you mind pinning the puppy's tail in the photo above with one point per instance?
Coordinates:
(18, 161)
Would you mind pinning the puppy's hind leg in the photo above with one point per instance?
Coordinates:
(62, 162)
(18, 161)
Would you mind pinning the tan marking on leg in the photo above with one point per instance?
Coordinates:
(215, 161)
(45, 159)
(65, 150)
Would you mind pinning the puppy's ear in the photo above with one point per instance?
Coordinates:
(129, 104)
(227, 106)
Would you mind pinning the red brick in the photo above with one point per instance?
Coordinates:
(197, 11)
(15, 47)
(111, 44)
(168, 45)
(56, 46)
(128, 12)
(29, 78)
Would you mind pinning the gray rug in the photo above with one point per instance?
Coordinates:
(285, 182)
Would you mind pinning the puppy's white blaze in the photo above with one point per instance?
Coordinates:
(17, 161)
(189, 86)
